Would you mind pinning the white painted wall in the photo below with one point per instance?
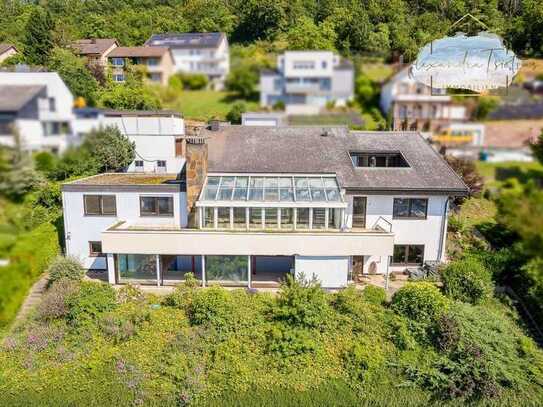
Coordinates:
(31, 130)
(80, 229)
(323, 62)
(406, 231)
(330, 271)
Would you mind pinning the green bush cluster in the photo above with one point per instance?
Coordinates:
(186, 81)
(421, 302)
(467, 280)
(90, 301)
(374, 295)
(68, 268)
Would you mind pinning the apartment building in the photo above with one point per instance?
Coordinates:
(414, 106)
(95, 49)
(305, 81)
(197, 53)
(157, 60)
(253, 204)
(157, 135)
(6, 51)
(38, 107)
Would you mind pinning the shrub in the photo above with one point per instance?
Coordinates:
(288, 341)
(124, 322)
(447, 333)
(279, 105)
(129, 293)
(467, 280)
(193, 81)
(53, 304)
(90, 301)
(374, 295)
(234, 115)
(302, 303)
(213, 305)
(68, 268)
(421, 302)
(182, 296)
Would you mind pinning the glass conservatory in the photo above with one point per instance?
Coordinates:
(257, 202)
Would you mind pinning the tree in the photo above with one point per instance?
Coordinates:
(242, 80)
(467, 170)
(365, 90)
(112, 150)
(234, 115)
(74, 73)
(537, 148)
(485, 106)
(306, 35)
(126, 97)
(38, 40)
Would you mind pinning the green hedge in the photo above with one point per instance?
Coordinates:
(29, 257)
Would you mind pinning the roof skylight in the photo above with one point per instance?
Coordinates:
(272, 189)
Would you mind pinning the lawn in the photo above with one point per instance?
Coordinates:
(377, 71)
(201, 104)
(496, 173)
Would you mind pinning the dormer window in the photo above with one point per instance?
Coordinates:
(379, 160)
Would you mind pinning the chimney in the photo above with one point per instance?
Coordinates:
(195, 172)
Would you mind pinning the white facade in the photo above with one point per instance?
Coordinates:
(262, 119)
(306, 81)
(50, 127)
(154, 135)
(80, 229)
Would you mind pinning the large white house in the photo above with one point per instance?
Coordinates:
(157, 135)
(253, 204)
(197, 53)
(305, 81)
(38, 106)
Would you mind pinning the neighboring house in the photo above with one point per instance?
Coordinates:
(461, 134)
(305, 81)
(414, 106)
(197, 53)
(6, 51)
(157, 60)
(39, 106)
(95, 49)
(157, 135)
(255, 204)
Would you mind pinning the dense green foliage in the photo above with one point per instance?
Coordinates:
(467, 280)
(385, 27)
(38, 36)
(89, 345)
(74, 73)
(187, 81)
(68, 268)
(421, 302)
(234, 115)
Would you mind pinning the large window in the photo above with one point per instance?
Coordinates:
(240, 218)
(410, 208)
(255, 218)
(136, 268)
(156, 206)
(302, 218)
(209, 217)
(408, 255)
(223, 218)
(383, 160)
(319, 218)
(100, 205)
(270, 218)
(287, 218)
(226, 270)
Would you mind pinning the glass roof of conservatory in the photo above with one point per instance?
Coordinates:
(272, 189)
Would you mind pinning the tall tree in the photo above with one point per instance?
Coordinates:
(38, 40)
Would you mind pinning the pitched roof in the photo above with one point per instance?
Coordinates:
(144, 52)
(15, 97)
(6, 47)
(247, 149)
(94, 45)
(523, 111)
(186, 40)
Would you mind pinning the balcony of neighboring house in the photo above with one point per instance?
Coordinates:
(308, 85)
(251, 230)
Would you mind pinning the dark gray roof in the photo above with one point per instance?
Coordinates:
(186, 40)
(523, 111)
(247, 149)
(15, 97)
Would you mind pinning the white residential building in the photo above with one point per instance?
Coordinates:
(39, 106)
(255, 204)
(197, 53)
(157, 135)
(305, 81)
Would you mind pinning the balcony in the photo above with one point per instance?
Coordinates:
(306, 87)
(131, 238)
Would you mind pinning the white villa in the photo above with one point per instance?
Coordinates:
(38, 105)
(253, 204)
(197, 53)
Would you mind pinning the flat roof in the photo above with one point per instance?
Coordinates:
(128, 181)
(186, 40)
(320, 150)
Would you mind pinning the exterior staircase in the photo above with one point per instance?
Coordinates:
(33, 298)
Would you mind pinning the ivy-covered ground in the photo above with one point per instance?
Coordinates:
(87, 344)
